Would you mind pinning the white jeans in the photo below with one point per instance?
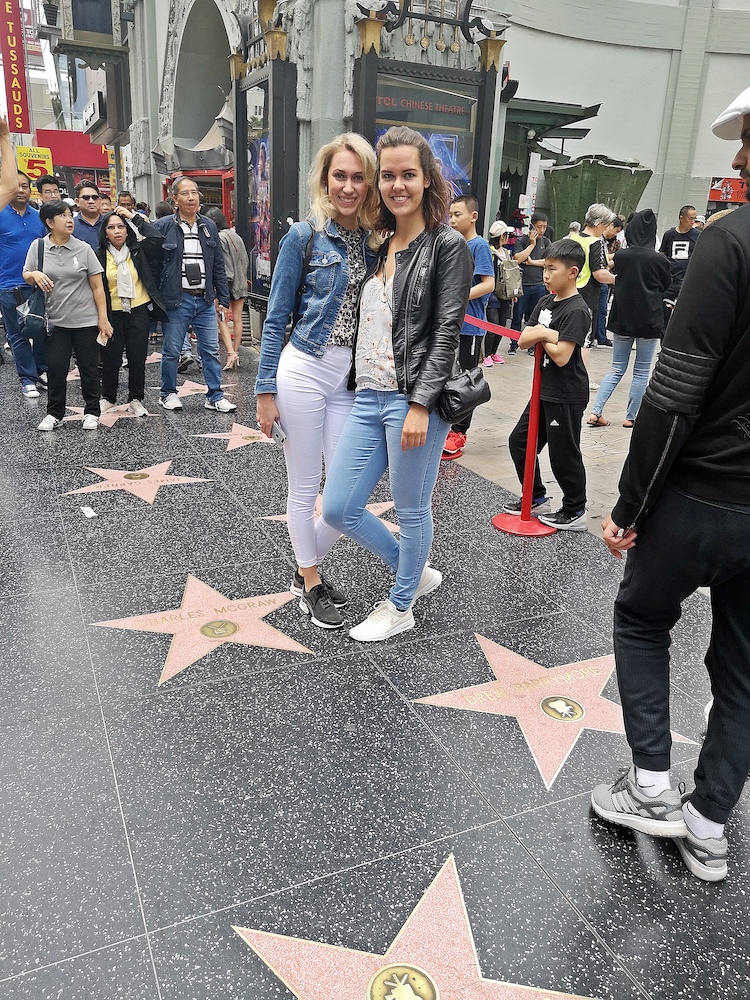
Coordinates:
(313, 404)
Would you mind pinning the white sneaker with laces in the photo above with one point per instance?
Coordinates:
(386, 620)
(430, 580)
(30, 391)
(49, 423)
(136, 406)
(171, 402)
(105, 406)
(222, 405)
(90, 422)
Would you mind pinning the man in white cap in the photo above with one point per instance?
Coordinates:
(684, 517)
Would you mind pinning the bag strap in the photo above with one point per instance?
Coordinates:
(303, 279)
(40, 254)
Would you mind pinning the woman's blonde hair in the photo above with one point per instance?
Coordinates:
(321, 206)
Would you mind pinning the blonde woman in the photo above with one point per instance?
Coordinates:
(304, 387)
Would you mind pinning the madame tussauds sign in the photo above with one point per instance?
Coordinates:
(14, 65)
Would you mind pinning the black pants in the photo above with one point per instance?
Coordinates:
(469, 352)
(683, 544)
(60, 344)
(500, 317)
(560, 430)
(131, 334)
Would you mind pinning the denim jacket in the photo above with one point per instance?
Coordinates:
(325, 285)
(170, 285)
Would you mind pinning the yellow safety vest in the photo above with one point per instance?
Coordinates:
(584, 275)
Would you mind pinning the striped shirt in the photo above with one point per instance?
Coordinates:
(192, 254)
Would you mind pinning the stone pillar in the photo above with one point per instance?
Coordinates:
(144, 86)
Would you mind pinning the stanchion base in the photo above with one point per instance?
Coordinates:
(512, 524)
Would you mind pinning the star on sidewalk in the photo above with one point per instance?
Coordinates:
(553, 705)
(378, 509)
(108, 419)
(206, 619)
(153, 357)
(433, 955)
(189, 388)
(239, 436)
(142, 483)
(73, 375)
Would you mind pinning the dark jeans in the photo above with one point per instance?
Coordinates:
(500, 317)
(525, 304)
(60, 344)
(560, 430)
(684, 544)
(131, 334)
(30, 360)
(469, 351)
(600, 330)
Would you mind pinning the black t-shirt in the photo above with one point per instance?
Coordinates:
(571, 318)
(532, 275)
(677, 248)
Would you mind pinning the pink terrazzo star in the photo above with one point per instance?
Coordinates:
(153, 357)
(432, 955)
(239, 436)
(108, 419)
(189, 388)
(73, 375)
(142, 483)
(206, 619)
(378, 509)
(553, 705)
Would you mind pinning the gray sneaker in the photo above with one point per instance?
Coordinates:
(338, 597)
(626, 805)
(706, 859)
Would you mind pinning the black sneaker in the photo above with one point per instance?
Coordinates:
(564, 521)
(513, 349)
(338, 597)
(605, 343)
(185, 362)
(319, 606)
(539, 506)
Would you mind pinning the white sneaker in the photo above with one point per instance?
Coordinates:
(105, 406)
(90, 422)
(385, 621)
(171, 402)
(430, 580)
(137, 407)
(49, 423)
(222, 405)
(30, 391)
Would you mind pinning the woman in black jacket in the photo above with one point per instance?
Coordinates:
(637, 314)
(411, 308)
(130, 253)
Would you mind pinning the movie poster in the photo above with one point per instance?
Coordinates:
(260, 214)
(445, 117)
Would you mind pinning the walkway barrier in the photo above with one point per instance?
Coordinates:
(512, 524)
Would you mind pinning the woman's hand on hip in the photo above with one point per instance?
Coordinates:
(266, 411)
(414, 433)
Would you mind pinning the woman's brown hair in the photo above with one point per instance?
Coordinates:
(437, 196)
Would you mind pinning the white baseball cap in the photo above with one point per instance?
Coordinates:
(500, 229)
(729, 123)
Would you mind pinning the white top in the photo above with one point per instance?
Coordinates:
(192, 254)
(375, 366)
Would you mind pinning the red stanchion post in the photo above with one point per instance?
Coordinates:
(526, 524)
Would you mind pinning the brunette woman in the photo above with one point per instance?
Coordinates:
(412, 306)
(304, 387)
(76, 311)
(130, 252)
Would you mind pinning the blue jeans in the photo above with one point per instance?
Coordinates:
(621, 347)
(524, 307)
(601, 315)
(30, 361)
(193, 311)
(370, 444)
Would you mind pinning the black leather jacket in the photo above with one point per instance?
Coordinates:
(430, 291)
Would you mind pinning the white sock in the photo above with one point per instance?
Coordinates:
(699, 825)
(652, 783)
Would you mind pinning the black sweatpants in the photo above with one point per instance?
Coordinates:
(131, 334)
(469, 353)
(685, 543)
(500, 318)
(60, 345)
(560, 430)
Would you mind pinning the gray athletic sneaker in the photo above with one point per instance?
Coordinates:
(626, 805)
(706, 859)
